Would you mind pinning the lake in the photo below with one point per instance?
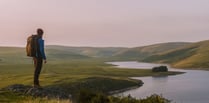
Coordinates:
(190, 87)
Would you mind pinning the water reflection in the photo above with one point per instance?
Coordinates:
(160, 78)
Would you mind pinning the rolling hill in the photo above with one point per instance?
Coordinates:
(55, 52)
(88, 51)
(178, 54)
(16, 55)
(195, 55)
(140, 53)
(12, 55)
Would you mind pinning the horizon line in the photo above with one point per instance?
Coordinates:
(22, 46)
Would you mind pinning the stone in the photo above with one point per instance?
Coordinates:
(49, 92)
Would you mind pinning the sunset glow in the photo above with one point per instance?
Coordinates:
(126, 23)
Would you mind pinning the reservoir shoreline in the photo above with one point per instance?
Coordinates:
(185, 88)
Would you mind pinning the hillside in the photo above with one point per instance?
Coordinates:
(89, 51)
(178, 54)
(54, 52)
(12, 55)
(17, 55)
(195, 55)
(139, 53)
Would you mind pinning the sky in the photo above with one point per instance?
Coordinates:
(104, 23)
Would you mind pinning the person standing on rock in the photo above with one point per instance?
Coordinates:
(35, 49)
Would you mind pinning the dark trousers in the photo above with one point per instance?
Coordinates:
(38, 65)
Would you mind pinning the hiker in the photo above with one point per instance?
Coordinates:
(35, 49)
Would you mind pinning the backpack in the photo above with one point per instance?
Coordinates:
(32, 46)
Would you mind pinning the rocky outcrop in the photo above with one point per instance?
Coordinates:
(160, 69)
(48, 92)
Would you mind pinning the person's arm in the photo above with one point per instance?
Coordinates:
(41, 46)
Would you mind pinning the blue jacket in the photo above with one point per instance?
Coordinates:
(41, 48)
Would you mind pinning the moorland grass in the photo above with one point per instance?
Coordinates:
(71, 71)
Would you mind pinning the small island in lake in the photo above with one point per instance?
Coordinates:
(160, 69)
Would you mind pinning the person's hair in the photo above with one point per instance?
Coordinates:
(40, 31)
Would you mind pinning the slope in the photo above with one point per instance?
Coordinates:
(139, 53)
(89, 51)
(16, 55)
(195, 55)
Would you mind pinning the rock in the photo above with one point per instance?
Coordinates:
(49, 92)
(160, 69)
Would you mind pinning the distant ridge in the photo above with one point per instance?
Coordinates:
(178, 54)
(89, 51)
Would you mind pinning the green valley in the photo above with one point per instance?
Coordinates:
(72, 70)
(77, 68)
